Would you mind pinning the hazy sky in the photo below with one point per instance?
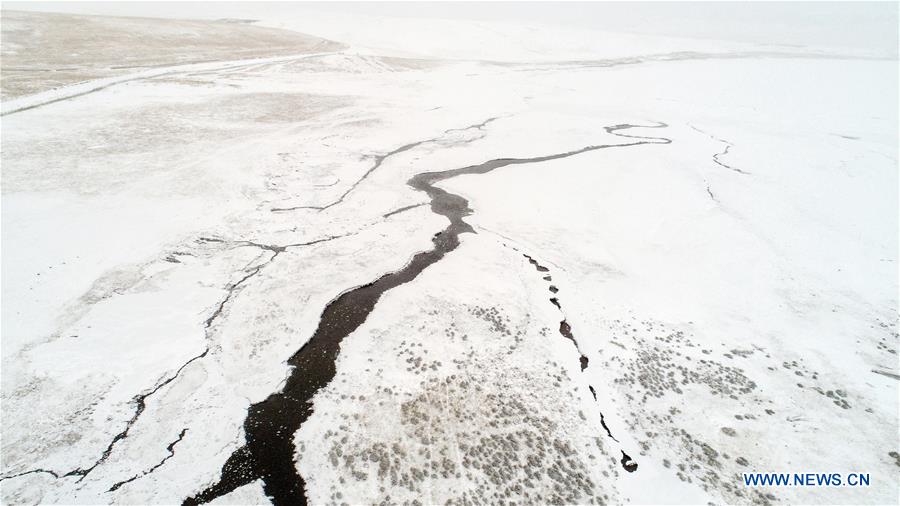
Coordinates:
(872, 25)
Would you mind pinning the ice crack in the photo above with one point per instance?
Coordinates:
(170, 448)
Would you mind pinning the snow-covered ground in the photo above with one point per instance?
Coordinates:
(678, 253)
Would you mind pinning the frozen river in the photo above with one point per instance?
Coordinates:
(256, 258)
